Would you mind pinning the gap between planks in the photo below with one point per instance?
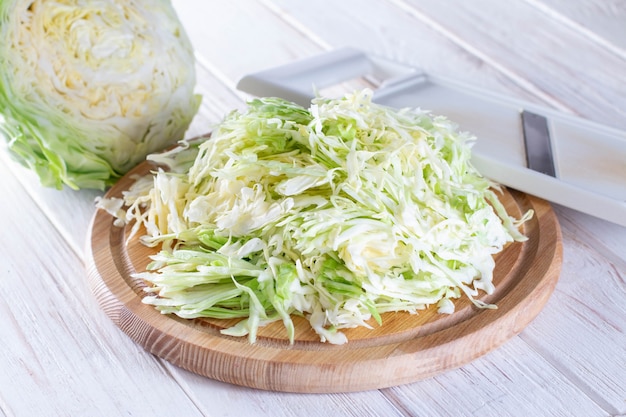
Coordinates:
(574, 25)
(472, 50)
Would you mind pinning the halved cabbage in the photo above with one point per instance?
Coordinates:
(88, 88)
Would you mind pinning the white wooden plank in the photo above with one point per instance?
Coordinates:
(60, 355)
(218, 99)
(485, 46)
(534, 49)
(218, 399)
(392, 32)
(606, 238)
(236, 38)
(582, 330)
(603, 21)
(510, 381)
(70, 210)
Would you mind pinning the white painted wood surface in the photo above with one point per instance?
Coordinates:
(61, 356)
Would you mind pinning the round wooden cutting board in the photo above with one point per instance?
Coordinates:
(406, 348)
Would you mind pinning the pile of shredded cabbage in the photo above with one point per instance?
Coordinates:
(337, 213)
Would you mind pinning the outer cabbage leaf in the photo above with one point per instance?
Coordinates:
(88, 88)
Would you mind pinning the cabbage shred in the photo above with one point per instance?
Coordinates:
(336, 213)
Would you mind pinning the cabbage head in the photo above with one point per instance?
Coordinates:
(88, 88)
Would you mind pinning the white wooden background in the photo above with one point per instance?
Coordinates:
(61, 356)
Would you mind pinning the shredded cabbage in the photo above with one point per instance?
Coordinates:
(88, 88)
(337, 213)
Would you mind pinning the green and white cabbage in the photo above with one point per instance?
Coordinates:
(337, 213)
(88, 88)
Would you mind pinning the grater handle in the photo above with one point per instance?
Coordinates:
(494, 118)
(297, 81)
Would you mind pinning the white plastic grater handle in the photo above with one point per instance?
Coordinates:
(590, 158)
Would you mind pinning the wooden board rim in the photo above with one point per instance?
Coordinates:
(324, 368)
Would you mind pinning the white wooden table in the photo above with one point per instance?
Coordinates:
(60, 355)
